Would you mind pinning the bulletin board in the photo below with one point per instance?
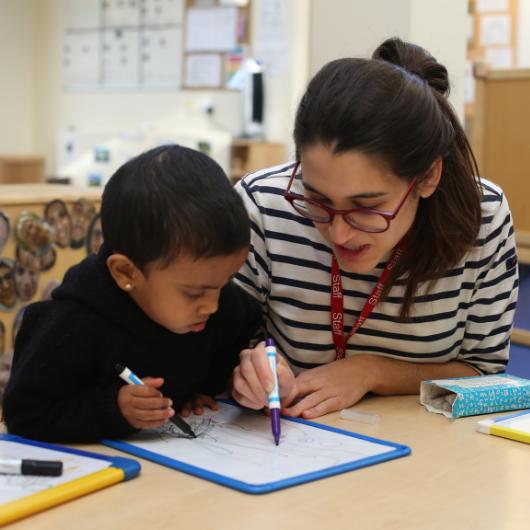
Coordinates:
(216, 41)
(153, 44)
(492, 39)
(44, 230)
(117, 44)
(494, 34)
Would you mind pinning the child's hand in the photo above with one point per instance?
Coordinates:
(197, 404)
(253, 378)
(143, 406)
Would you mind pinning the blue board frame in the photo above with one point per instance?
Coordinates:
(131, 468)
(398, 451)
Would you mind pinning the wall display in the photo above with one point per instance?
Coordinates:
(5, 229)
(26, 282)
(34, 262)
(271, 44)
(18, 321)
(2, 338)
(44, 230)
(48, 289)
(217, 40)
(57, 216)
(94, 238)
(33, 234)
(211, 29)
(492, 39)
(114, 44)
(6, 358)
(83, 212)
(40, 238)
(8, 295)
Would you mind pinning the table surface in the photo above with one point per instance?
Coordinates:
(455, 478)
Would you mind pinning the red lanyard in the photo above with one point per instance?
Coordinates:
(337, 301)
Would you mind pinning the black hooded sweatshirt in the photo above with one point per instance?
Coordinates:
(64, 387)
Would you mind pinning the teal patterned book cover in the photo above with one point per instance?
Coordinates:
(469, 396)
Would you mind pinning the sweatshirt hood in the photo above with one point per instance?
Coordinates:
(89, 283)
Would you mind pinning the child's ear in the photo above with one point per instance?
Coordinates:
(432, 178)
(124, 272)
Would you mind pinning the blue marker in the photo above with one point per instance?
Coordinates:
(132, 379)
(274, 395)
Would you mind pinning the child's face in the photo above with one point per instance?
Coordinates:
(182, 296)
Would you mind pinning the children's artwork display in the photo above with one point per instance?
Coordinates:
(39, 241)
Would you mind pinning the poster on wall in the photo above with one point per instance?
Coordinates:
(117, 45)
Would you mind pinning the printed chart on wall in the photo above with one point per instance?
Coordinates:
(117, 44)
(234, 447)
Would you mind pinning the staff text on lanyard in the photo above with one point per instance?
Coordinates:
(337, 300)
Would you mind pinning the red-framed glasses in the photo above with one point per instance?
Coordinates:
(364, 219)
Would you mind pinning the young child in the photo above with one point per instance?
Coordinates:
(157, 298)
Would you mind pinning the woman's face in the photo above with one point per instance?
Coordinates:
(354, 180)
(57, 216)
(25, 282)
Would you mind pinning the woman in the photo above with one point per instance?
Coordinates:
(381, 260)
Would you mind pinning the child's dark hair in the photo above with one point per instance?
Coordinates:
(171, 201)
(394, 107)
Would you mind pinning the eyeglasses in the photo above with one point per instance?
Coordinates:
(364, 219)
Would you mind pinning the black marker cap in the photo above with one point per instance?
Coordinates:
(48, 468)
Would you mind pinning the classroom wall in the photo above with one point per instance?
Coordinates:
(523, 34)
(342, 28)
(35, 109)
(113, 111)
(17, 77)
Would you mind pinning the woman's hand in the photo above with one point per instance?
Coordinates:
(331, 387)
(196, 404)
(253, 378)
(144, 406)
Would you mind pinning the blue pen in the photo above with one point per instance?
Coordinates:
(132, 379)
(274, 394)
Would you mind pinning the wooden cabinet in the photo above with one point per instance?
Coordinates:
(20, 169)
(250, 155)
(501, 128)
(499, 138)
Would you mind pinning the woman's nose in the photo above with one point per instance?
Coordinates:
(339, 230)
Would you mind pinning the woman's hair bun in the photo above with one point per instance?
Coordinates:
(416, 60)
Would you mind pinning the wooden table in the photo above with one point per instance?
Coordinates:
(454, 479)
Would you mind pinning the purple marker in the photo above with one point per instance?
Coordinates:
(274, 395)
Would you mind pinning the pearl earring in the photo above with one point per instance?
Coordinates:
(128, 286)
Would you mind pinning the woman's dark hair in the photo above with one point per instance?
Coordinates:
(394, 107)
(171, 201)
